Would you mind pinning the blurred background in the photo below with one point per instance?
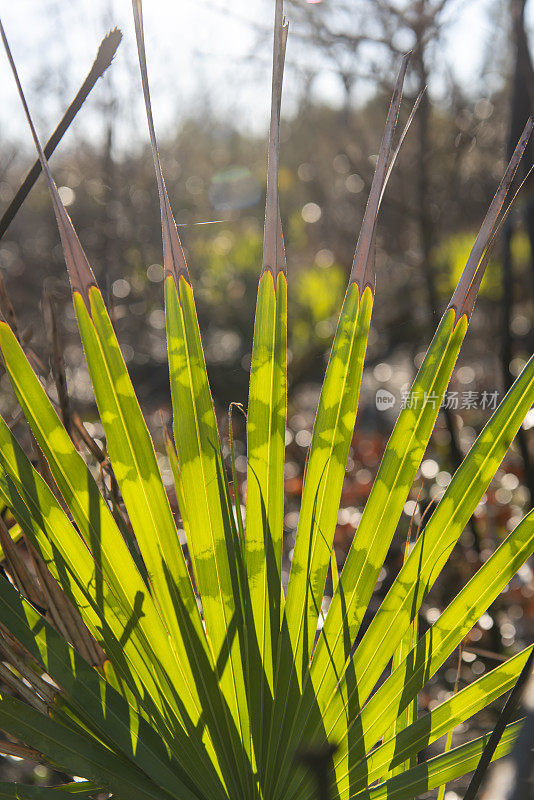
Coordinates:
(209, 66)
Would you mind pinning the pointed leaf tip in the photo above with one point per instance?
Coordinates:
(363, 264)
(80, 273)
(273, 240)
(173, 254)
(402, 137)
(465, 294)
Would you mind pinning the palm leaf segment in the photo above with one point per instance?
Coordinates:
(210, 690)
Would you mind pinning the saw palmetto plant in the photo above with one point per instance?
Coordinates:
(172, 674)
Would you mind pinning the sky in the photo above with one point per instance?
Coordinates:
(213, 53)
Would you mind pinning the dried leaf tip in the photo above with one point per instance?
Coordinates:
(465, 294)
(363, 265)
(80, 273)
(273, 240)
(104, 57)
(173, 254)
(106, 51)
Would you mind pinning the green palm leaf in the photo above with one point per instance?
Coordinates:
(213, 682)
(334, 677)
(85, 694)
(139, 477)
(77, 751)
(442, 719)
(213, 540)
(331, 437)
(442, 638)
(266, 430)
(441, 533)
(440, 769)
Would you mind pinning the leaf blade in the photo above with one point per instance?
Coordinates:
(440, 769)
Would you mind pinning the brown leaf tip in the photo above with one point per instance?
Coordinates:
(465, 294)
(173, 254)
(106, 51)
(80, 273)
(362, 272)
(273, 240)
